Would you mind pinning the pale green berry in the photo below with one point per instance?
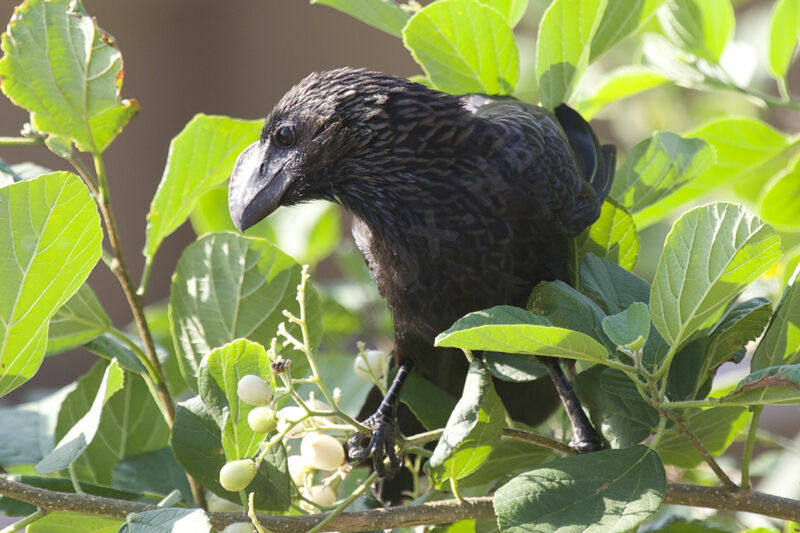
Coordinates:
(322, 495)
(297, 469)
(252, 390)
(239, 527)
(262, 419)
(236, 475)
(321, 451)
(370, 364)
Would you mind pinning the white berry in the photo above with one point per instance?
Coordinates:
(252, 390)
(322, 495)
(370, 364)
(297, 469)
(322, 452)
(236, 475)
(262, 419)
(239, 527)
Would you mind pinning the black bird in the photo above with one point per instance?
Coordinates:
(461, 203)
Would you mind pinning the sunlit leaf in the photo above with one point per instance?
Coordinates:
(702, 27)
(612, 237)
(621, 18)
(780, 203)
(781, 343)
(784, 36)
(77, 322)
(618, 84)
(386, 15)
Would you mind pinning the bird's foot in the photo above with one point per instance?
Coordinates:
(380, 444)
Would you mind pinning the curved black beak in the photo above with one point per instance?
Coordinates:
(256, 188)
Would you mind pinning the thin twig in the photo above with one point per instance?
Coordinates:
(440, 512)
(749, 445)
(723, 477)
(541, 440)
(21, 141)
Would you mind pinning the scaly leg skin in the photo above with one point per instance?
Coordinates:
(584, 437)
(384, 430)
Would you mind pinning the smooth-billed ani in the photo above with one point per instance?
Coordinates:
(461, 203)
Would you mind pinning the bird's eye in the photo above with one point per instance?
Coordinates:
(284, 136)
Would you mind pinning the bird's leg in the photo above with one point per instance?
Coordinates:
(584, 437)
(384, 429)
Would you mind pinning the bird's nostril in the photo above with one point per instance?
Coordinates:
(263, 168)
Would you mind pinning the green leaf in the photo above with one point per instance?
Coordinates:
(66, 71)
(745, 148)
(567, 308)
(51, 237)
(701, 27)
(629, 328)
(463, 47)
(512, 10)
(563, 46)
(771, 385)
(511, 330)
(611, 286)
(781, 342)
(154, 472)
(196, 442)
(780, 202)
(473, 429)
(81, 434)
(200, 157)
(110, 346)
(64, 521)
(654, 169)
(711, 254)
(716, 428)
(386, 15)
(77, 322)
(618, 84)
(619, 414)
(514, 368)
(620, 19)
(227, 365)
(613, 237)
(167, 520)
(227, 287)
(308, 232)
(429, 403)
(743, 323)
(34, 427)
(508, 457)
(784, 36)
(606, 491)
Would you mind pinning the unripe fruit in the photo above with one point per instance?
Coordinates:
(322, 452)
(252, 390)
(239, 527)
(373, 364)
(262, 419)
(236, 475)
(322, 495)
(297, 469)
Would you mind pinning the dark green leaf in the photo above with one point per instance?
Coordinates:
(781, 343)
(716, 428)
(612, 237)
(63, 521)
(154, 472)
(741, 324)
(629, 328)
(168, 520)
(109, 346)
(516, 368)
(711, 254)
(771, 385)
(430, 404)
(508, 457)
(611, 286)
(473, 429)
(34, 429)
(77, 322)
(386, 15)
(566, 308)
(607, 491)
(464, 47)
(51, 239)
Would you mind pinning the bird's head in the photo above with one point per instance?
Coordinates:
(330, 130)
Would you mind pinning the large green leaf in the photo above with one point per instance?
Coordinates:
(473, 429)
(612, 287)
(621, 18)
(227, 365)
(780, 203)
(784, 36)
(710, 255)
(66, 71)
(227, 287)
(154, 472)
(51, 239)
(563, 46)
(630, 327)
(386, 15)
(613, 237)
(702, 27)
(716, 428)
(83, 430)
(429, 403)
(77, 322)
(607, 491)
(200, 157)
(781, 343)
(618, 84)
(512, 10)
(654, 169)
(771, 385)
(197, 444)
(567, 308)
(63, 521)
(743, 323)
(464, 47)
(512, 330)
(508, 458)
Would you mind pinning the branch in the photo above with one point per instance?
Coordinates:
(441, 512)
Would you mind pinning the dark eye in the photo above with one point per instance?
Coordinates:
(284, 136)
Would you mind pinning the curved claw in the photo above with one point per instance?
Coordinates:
(380, 445)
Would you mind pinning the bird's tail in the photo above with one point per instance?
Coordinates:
(596, 164)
